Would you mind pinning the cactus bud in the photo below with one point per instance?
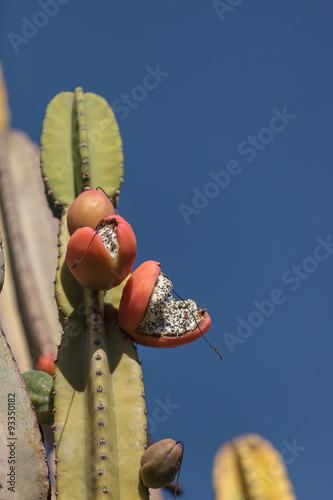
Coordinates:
(102, 259)
(40, 387)
(152, 317)
(160, 463)
(88, 209)
(45, 363)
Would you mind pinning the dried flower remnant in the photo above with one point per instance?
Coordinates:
(161, 462)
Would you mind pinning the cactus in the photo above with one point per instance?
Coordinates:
(250, 468)
(100, 417)
(22, 455)
(2, 264)
(4, 108)
(96, 400)
(26, 301)
(80, 148)
(32, 267)
(40, 388)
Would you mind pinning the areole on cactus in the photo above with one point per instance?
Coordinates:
(152, 317)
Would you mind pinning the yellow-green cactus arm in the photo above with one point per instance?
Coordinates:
(249, 467)
(80, 148)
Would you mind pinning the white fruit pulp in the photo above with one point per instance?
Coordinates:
(165, 315)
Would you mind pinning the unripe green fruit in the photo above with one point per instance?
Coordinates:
(88, 209)
(160, 463)
(40, 387)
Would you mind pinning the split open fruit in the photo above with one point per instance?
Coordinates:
(152, 317)
(88, 209)
(102, 258)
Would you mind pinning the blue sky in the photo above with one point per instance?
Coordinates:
(228, 183)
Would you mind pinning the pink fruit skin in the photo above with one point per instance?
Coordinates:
(136, 295)
(168, 342)
(98, 270)
(88, 209)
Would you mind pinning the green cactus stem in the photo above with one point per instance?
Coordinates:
(80, 148)
(100, 424)
(40, 388)
(99, 413)
(99, 407)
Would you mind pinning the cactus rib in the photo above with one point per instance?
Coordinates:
(82, 138)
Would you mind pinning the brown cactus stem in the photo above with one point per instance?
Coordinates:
(15, 149)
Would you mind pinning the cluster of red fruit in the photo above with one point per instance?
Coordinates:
(101, 253)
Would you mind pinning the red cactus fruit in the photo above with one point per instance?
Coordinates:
(45, 363)
(88, 209)
(101, 259)
(152, 317)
